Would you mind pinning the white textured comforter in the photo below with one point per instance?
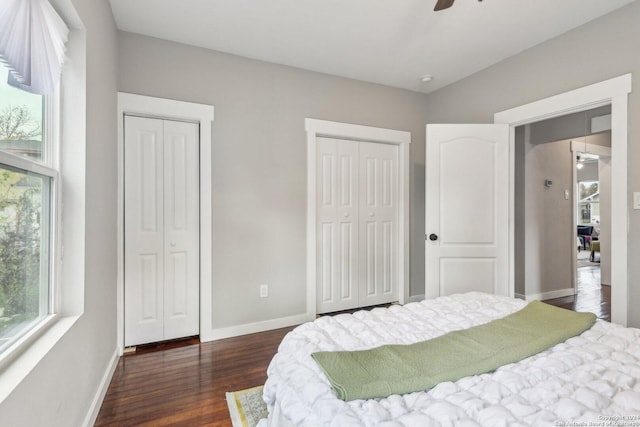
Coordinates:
(592, 378)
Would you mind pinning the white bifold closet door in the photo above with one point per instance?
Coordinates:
(161, 226)
(357, 224)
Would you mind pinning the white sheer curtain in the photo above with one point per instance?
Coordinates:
(32, 43)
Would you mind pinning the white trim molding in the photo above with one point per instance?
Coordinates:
(96, 403)
(615, 92)
(147, 106)
(266, 325)
(322, 128)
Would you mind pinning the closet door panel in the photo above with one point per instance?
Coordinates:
(143, 223)
(181, 227)
(337, 226)
(378, 219)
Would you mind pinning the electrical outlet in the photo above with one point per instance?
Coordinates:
(264, 291)
(636, 200)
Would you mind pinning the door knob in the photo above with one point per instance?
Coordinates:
(172, 244)
(346, 214)
(433, 237)
(371, 214)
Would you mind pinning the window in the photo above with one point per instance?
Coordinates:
(27, 183)
(588, 202)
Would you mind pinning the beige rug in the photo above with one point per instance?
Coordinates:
(583, 258)
(246, 407)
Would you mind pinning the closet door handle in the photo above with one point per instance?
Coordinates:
(433, 237)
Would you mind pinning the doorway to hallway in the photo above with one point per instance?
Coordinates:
(563, 208)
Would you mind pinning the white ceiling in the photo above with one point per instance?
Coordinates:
(391, 42)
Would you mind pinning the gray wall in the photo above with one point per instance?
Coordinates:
(60, 390)
(549, 238)
(604, 176)
(574, 125)
(597, 51)
(259, 161)
(521, 133)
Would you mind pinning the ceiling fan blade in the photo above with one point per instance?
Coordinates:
(443, 4)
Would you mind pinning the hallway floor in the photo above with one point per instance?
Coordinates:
(591, 296)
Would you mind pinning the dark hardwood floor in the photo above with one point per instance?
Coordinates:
(184, 384)
(591, 295)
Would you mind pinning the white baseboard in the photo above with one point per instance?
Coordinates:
(252, 328)
(549, 295)
(96, 404)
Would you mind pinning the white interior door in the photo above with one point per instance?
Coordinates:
(181, 230)
(467, 209)
(357, 224)
(378, 223)
(337, 224)
(161, 226)
(144, 231)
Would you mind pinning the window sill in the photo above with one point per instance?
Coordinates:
(25, 355)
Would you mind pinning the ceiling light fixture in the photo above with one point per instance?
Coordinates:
(426, 78)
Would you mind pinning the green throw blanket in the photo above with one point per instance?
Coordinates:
(399, 369)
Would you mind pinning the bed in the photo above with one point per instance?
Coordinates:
(590, 378)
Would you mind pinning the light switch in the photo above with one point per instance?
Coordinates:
(636, 200)
(566, 194)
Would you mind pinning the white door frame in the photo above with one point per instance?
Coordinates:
(615, 92)
(322, 128)
(169, 109)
